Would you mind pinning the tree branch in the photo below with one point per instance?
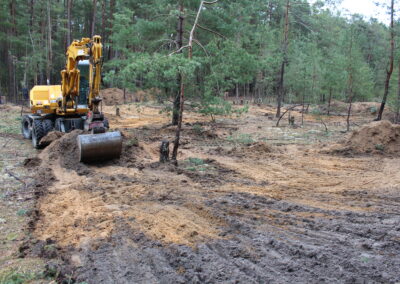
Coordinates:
(211, 31)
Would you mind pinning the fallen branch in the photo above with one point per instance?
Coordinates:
(326, 128)
(291, 108)
(14, 176)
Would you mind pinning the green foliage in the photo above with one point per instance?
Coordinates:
(196, 161)
(17, 277)
(22, 212)
(197, 129)
(237, 49)
(213, 105)
(134, 142)
(241, 138)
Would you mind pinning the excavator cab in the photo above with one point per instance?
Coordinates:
(84, 89)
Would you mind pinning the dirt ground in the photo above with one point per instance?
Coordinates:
(248, 203)
(16, 201)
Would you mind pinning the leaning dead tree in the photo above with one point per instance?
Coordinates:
(389, 71)
(189, 46)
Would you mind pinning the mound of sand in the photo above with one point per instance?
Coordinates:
(50, 137)
(256, 149)
(379, 137)
(366, 108)
(115, 96)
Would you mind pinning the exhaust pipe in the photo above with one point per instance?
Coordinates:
(99, 147)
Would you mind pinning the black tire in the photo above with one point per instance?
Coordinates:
(57, 125)
(26, 127)
(106, 123)
(48, 125)
(38, 133)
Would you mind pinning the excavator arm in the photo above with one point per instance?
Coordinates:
(85, 49)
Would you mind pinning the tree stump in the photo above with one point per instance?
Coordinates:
(291, 120)
(164, 152)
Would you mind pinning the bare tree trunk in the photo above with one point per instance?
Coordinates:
(350, 83)
(190, 47)
(391, 63)
(93, 23)
(49, 43)
(237, 91)
(11, 32)
(349, 110)
(284, 50)
(177, 101)
(103, 20)
(330, 100)
(110, 26)
(69, 7)
(398, 96)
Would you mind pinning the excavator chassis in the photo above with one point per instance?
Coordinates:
(92, 147)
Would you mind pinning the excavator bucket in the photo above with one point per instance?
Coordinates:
(99, 147)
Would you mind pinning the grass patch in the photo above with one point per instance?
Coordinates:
(196, 161)
(16, 277)
(197, 164)
(12, 237)
(133, 142)
(197, 129)
(241, 139)
(22, 212)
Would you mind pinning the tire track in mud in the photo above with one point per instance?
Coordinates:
(347, 247)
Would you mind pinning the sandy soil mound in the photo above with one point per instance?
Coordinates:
(115, 96)
(367, 108)
(257, 149)
(380, 137)
(51, 137)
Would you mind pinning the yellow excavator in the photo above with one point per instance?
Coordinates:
(75, 105)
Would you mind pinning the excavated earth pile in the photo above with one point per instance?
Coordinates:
(380, 137)
(256, 214)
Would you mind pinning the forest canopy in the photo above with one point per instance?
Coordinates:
(264, 49)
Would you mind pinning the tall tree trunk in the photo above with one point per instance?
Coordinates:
(49, 44)
(69, 7)
(284, 60)
(329, 100)
(103, 20)
(93, 22)
(398, 96)
(190, 47)
(177, 100)
(391, 63)
(110, 26)
(350, 82)
(11, 32)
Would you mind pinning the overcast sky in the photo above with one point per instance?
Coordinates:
(366, 8)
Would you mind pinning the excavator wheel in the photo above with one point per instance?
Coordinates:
(47, 125)
(26, 127)
(38, 132)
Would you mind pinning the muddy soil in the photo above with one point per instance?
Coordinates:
(233, 211)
